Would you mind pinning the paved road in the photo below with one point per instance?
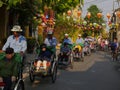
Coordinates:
(97, 72)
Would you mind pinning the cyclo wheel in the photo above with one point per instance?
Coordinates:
(54, 73)
(31, 76)
(19, 85)
(71, 60)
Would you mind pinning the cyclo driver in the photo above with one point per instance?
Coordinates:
(66, 48)
(80, 43)
(51, 42)
(16, 41)
(9, 62)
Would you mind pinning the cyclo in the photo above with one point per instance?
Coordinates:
(44, 65)
(18, 84)
(78, 52)
(65, 57)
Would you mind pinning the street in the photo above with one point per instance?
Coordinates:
(97, 72)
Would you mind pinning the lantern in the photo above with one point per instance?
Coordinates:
(88, 15)
(91, 24)
(84, 23)
(103, 24)
(118, 14)
(108, 15)
(92, 28)
(99, 15)
(79, 13)
(117, 25)
(34, 17)
(69, 12)
(94, 24)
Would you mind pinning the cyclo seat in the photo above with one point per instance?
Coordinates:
(78, 46)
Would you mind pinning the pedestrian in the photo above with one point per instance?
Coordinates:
(114, 48)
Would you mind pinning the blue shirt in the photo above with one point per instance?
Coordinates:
(45, 55)
(67, 40)
(65, 49)
(51, 42)
(113, 46)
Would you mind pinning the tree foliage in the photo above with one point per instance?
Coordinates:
(60, 6)
(27, 9)
(9, 3)
(93, 9)
(65, 25)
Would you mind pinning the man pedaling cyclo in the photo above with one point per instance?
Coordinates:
(66, 48)
(9, 62)
(16, 41)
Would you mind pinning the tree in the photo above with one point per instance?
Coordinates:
(94, 10)
(9, 3)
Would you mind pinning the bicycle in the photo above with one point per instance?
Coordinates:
(114, 55)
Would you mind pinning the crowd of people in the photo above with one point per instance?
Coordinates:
(17, 43)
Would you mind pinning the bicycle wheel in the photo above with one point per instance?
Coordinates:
(31, 76)
(54, 74)
(19, 85)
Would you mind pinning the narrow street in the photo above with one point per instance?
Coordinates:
(97, 72)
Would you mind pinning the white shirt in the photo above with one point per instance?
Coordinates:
(79, 40)
(18, 45)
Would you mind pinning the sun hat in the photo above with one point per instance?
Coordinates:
(79, 35)
(66, 34)
(16, 28)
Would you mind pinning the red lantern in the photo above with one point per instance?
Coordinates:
(69, 13)
(88, 15)
(79, 13)
(108, 15)
(99, 15)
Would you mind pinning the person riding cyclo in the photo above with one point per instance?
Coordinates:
(44, 57)
(79, 43)
(51, 42)
(10, 62)
(17, 41)
(66, 48)
(65, 51)
(68, 40)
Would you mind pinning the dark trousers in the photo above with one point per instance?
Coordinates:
(8, 83)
